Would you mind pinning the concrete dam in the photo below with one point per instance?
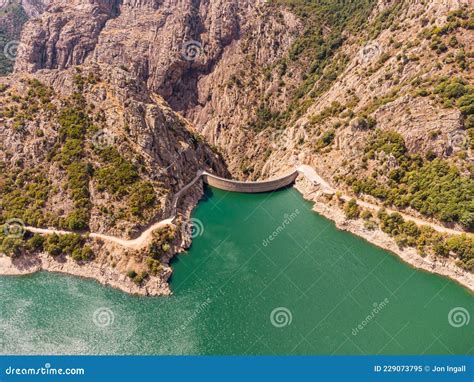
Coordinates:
(250, 187)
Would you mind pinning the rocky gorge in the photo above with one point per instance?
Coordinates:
(135, 97)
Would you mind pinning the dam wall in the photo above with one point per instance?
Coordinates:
(250, 187)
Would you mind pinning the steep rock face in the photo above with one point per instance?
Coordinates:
(242, 71)
(12, 19)
(64, 35)
(381, 69)
(385, 83)
(156, 40)
(13, 15)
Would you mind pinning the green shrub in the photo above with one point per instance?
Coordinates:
(68, 244)
(351, 209)
(326, 140)
(433, 187)
(387, 141)
(82, 254)
(117, 175)
(13, 247)
(36, 242)
(23, 195)
(463, 247)
(142, 197)
(366, 214)
(162, 240)
(132, 274)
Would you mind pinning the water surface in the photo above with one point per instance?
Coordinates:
(320, 283)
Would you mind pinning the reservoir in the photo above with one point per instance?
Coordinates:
(265, 275)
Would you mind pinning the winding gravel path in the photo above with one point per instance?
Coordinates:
(307, 171)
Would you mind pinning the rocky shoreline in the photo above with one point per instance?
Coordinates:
(443, 267)
(101, 270)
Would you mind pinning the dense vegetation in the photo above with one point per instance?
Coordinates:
(70, 244)
(24, 191)
(120, 178)
(23, 196)
(55, 245)
(434, 187)
(74, 123)
(162, 240)
(426, 240)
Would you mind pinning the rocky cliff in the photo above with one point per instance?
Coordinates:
(246, 71)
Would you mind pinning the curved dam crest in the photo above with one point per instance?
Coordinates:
(250, 187)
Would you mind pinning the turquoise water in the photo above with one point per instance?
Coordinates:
(320, 284)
